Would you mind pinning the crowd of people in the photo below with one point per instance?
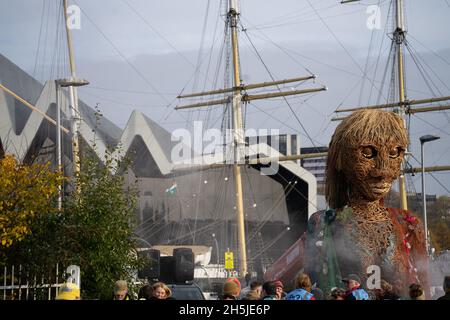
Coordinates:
(352, 289)
(155, 291)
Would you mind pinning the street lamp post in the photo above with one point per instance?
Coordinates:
(71, 83)
(217, 247)
(58, 143)
(423, 140)
(63, 83)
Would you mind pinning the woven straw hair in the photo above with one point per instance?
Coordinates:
(362, 126)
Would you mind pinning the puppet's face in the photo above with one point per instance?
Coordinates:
(371, 168)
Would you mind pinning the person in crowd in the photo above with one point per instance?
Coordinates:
(386, 292)
(269, 291)
(248, 278)
(252, 295)
(337, 294)
(254, 291)
(318, 293)
(161, 291)
(246, 289)
(68, 291)
(146, 292)
(237, 282)
(399, 289)
(281, 295)
(231, 290)
(256, 286)
(416, 292)
(446, 288)
(303, 289)
(438, 292)
(354, 288)
(121, 291)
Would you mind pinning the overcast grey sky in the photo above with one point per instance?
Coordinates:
(141, 54)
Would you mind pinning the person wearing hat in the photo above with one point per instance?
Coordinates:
(68, 291)
(354, 289)
(121, 290)
(231, 290)
(235, 280)
(280, 289)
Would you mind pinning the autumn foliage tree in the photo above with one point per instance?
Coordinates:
(94, 229)
(439, 224)
(26, 191)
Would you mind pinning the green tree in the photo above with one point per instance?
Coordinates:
(96, 230)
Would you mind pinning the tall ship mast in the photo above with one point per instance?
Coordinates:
(403, 106)
(238, 95)
(398, 102)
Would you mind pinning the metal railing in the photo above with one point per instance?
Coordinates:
(17, 283)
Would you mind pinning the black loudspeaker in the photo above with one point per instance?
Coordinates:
(184, 264)
(151, 267)
(167, 269)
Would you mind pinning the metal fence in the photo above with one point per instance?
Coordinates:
(18, 283)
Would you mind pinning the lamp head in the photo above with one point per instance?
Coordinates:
(428, 138)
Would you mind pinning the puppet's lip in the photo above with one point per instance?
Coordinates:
(381, 188)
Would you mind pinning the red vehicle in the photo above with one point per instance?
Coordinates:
(288, 265)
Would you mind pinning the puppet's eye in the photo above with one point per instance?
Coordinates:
(395, 152)
(369, 152)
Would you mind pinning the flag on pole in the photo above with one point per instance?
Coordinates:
(172, 189)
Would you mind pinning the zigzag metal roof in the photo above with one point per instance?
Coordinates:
(19, 126)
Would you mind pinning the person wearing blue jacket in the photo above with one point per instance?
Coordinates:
(303, 289)
(354, 289)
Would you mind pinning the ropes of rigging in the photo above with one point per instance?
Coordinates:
(131, 65)
(366, 65)
(430, 50)
(429, 82)
(379, 57)
(286, 100)
(307, 14)
(39, 39)
(432, 175)
(432, 125)
(155, 31)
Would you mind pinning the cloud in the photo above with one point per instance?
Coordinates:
(149, 46)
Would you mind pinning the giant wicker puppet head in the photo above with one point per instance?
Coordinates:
(358, 232)
(364, 157)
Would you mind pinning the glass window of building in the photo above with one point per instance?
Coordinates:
(294, 144)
